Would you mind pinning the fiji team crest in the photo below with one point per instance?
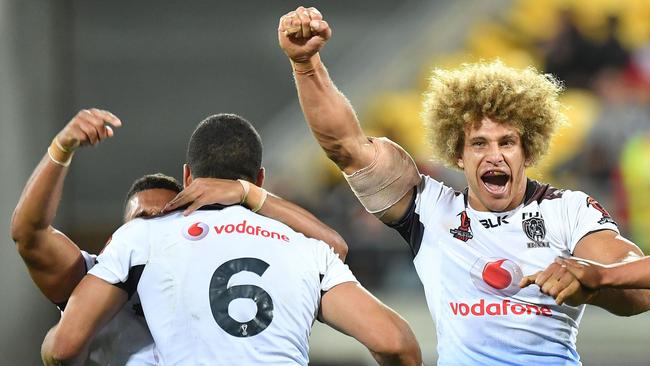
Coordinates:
(535, 230)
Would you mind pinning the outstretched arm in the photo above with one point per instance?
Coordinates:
(302, 34)
(52, 259)
(205, 191)
(632, 274)
(562, 281)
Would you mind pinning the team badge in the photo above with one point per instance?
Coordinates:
(535, 230)
(607, 218)
(464, 231)
(196, 231)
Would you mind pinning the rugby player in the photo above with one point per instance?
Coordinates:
(472, 248)
(224, 285)
(56, 264)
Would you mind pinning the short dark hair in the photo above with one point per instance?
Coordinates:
(153, 181)
(225, 146)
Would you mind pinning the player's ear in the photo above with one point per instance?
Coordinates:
(187, 175)
(260, 177)
(460, 162)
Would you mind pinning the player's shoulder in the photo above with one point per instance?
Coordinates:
(546, 195)
(132, 227)
(434, 186)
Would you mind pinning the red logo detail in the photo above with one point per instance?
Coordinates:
(505, 307)
(255, 230)
(496, 276)
(464, 231)
(196, 231)
(464, 221)
(607, 218)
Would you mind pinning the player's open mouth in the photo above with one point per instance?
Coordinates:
(495, 181)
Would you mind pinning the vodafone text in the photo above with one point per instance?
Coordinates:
(504, 307)
(244, 228)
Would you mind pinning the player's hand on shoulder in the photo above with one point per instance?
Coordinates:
(207, 191)
(302, 33)
(558, 282)
(87, 127)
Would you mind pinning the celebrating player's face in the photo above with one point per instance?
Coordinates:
(493, 161)
(147, 203)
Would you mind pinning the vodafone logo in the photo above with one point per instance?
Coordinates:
(196, 231)
(496, 276)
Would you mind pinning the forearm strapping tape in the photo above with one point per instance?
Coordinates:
(387, 179)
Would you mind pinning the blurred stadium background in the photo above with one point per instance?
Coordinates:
(162, 66)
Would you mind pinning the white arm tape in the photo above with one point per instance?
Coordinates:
(387, 179)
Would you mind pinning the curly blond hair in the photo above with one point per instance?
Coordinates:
(460, 99)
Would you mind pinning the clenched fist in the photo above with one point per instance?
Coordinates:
(88, 127)
(302, 33)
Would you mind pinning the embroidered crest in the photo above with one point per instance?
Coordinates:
(535, 230)
(464, 231)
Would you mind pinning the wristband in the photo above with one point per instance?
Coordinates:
(262, 200)
(59, 154)
(56, 161)
(246, 186)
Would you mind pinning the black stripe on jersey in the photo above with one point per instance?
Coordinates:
(410, 227)
(131, 283)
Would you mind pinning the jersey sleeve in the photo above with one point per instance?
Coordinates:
(89, 260)
(584, 215)
(424, 202)
(331, 268)
(124, 256)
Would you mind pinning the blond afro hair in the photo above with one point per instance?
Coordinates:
(460, 99)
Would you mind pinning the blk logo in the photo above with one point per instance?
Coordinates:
(196, 231)
(488, 224)
(496, 276)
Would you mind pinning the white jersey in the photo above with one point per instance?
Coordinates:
(224, 287)
(470, 263)
(126, 339)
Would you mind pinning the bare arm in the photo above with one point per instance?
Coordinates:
(204, 191)
(352, 310)
(632, 274)
(564, 283)
(52, 259)
(92, 304)
(608, 247)
(329, 114)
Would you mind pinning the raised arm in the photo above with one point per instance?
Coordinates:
(302, 34)
(52, 259)
(205, 191)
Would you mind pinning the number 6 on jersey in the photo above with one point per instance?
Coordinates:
(221, 296)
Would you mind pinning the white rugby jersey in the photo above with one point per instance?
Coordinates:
(126, 339)
(223, 286)
(470, 264)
